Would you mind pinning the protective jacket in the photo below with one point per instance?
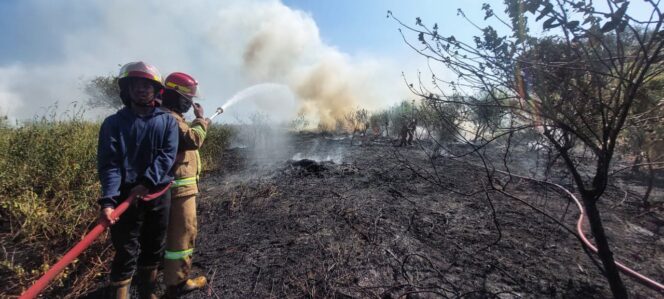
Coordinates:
(187, 166)
(135, 150)
(182, 227)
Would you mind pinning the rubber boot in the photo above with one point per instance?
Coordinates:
(147, 283)
(195, 284)
(119, 289)
(187, 286)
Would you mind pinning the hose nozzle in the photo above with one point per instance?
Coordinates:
(217, 112)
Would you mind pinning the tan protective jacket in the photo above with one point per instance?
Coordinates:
(187, 166)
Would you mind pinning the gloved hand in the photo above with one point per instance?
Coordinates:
(198, 111)
(105, 217)
(140, 191)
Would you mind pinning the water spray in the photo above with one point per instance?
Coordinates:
(263, 88)
(254, 90)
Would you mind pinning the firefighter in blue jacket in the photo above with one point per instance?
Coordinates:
(137, 149)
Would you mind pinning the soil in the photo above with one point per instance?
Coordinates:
(377, 221)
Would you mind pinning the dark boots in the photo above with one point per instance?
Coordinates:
(119, 289)
(147, 278)
(187, 286)
(147, 285)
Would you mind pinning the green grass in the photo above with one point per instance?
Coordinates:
(48, 188)
(217, 140)
(48, 192)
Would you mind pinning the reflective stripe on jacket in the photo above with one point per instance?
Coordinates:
(187, 166)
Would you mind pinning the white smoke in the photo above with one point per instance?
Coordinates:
(227, 45)
(10, 102)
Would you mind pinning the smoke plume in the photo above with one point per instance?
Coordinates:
(227, 45)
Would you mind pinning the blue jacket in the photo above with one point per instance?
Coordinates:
(135, 150)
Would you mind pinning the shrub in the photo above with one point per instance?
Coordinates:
(48, 192)
(48, 188)
(217, 140)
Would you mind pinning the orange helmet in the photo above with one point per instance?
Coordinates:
(183, 84)
(138, 69)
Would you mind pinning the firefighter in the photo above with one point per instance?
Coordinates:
(412, 127)
(178, 97)
(407, 133)
(137, 149)
(403, 135)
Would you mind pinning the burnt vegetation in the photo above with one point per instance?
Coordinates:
(393, 222)
(478, 206)
(576, 87)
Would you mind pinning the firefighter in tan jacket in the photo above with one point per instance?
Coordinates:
(178, 98)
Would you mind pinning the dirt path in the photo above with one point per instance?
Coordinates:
(366, 226)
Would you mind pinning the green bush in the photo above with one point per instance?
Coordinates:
(47, 189)
(217, 140)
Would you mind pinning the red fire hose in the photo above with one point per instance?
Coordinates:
(642, 279)
(43, 282)
(579, 228)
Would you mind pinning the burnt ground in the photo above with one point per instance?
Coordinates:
(372, 224)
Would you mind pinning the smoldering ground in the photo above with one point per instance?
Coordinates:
(266, 145)
(368, 226)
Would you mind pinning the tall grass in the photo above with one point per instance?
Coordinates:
(48, 187)
(217, 140)
(48, 192)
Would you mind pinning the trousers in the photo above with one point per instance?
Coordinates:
(139, 236)
(180, 240)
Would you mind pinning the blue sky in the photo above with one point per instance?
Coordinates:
(28, 34)
(362, 26)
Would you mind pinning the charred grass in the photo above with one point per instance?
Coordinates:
(371, 227)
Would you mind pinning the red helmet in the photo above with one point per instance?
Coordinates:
(183, 84)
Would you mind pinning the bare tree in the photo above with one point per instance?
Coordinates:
(357, 122)
(645, 127)
(442, 119)
(380, 122)
(299, 123)
(103, 92)
(485, 115)
(576, 87)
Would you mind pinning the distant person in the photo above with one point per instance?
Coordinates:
(412, 127)
(178, 97)
(403, 135)
(407, 133)
(137, 149)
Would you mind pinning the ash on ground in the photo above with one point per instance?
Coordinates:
(377, 226)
